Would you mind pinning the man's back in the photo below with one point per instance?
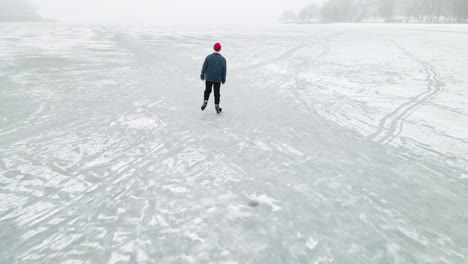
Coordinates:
(214, 68)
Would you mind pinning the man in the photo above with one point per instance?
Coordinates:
(214, 74)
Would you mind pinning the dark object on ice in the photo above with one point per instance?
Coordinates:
(218, 109)
(204, 105)
(253, 204)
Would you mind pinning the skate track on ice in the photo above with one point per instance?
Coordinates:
(399, 115)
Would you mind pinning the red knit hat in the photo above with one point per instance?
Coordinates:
(217, 47)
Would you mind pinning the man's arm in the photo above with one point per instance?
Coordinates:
(203, 71)
(224, 72)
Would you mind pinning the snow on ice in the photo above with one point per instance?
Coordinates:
(352, 139)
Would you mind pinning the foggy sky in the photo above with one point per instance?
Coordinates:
(171, 12)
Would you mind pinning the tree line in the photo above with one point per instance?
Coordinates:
(416, 11)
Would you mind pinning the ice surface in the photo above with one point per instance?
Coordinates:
(352, 139)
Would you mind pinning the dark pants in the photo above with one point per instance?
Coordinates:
(217, 87)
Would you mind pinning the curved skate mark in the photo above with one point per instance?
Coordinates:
(391, 125)
(312, 63)
(443, 31)
(287, 54)
(284, 56)
(86, 194)
(286, 77)
(448, 46)
(89, 189)
(32, 119)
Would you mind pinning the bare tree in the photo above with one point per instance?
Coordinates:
(406, 8)
(308, 13)
(363, 8)
(288, 17)
(436, 9)
(430, 11)
(386, 9)
(339, 11)
(414, 9)
(459, 10)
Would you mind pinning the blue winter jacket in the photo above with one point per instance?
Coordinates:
(214, 68)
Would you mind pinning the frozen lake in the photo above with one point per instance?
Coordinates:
(352, 139)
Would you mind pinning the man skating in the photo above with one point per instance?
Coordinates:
(214, 74)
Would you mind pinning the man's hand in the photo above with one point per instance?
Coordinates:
(202, 77)
(223, 82)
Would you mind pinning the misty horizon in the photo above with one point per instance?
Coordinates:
(214, 15)
(180, 13)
